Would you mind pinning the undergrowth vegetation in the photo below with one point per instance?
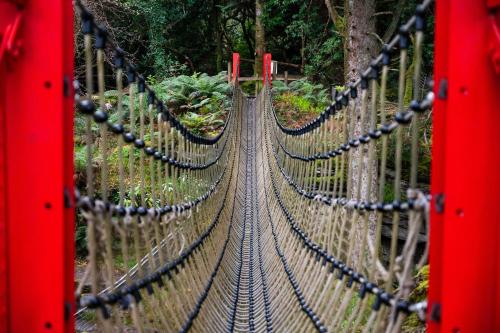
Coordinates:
(299, 102)
(413, 324)
(201, 102)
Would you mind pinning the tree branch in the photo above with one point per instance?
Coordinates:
(391, 29)
(383, 13)
(334, 16)
(182, 55)
(377, 37)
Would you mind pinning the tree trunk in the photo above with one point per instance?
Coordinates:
(260, 42)
(303, 53)
(359, 48)
(246, 35)
(218, 36)
(219, 52)
(360, 24)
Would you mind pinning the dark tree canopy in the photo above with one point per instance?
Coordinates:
(183, 36)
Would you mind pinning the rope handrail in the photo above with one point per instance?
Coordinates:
(400, 119)
(97, 206)
(143, 219)
(87, 107)
(121, 295)
(400, 206)
(383, 297)
(357, 214)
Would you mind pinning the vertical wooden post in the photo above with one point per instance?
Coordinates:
(229, 74)
(334, 92)
(36, 166)
(286, 78)
(465, 268)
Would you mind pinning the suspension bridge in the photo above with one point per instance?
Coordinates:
(261, 228)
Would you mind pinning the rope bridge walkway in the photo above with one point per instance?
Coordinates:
(261, 227)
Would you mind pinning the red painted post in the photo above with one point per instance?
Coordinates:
(468, 286)
(69, 172)
(438, 164)
(7, 12)
(36, 169)
(266, 70)
(236, 67)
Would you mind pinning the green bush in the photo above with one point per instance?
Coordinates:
(201, 101)
(299, 102)
(194, 92)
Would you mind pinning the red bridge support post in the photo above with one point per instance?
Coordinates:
(464, 293)
(266, 70)
(36, 166)
(236, 68)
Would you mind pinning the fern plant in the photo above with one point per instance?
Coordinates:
(300, 101)
(201, 101)
(193, 92)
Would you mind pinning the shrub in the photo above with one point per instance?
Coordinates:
(299, 102)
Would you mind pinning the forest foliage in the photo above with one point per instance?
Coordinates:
(172, 42)
(167, 38)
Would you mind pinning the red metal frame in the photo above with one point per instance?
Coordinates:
(236, 67)
(36, 169)
(465, 249)
(438, 163)
(266, 69)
